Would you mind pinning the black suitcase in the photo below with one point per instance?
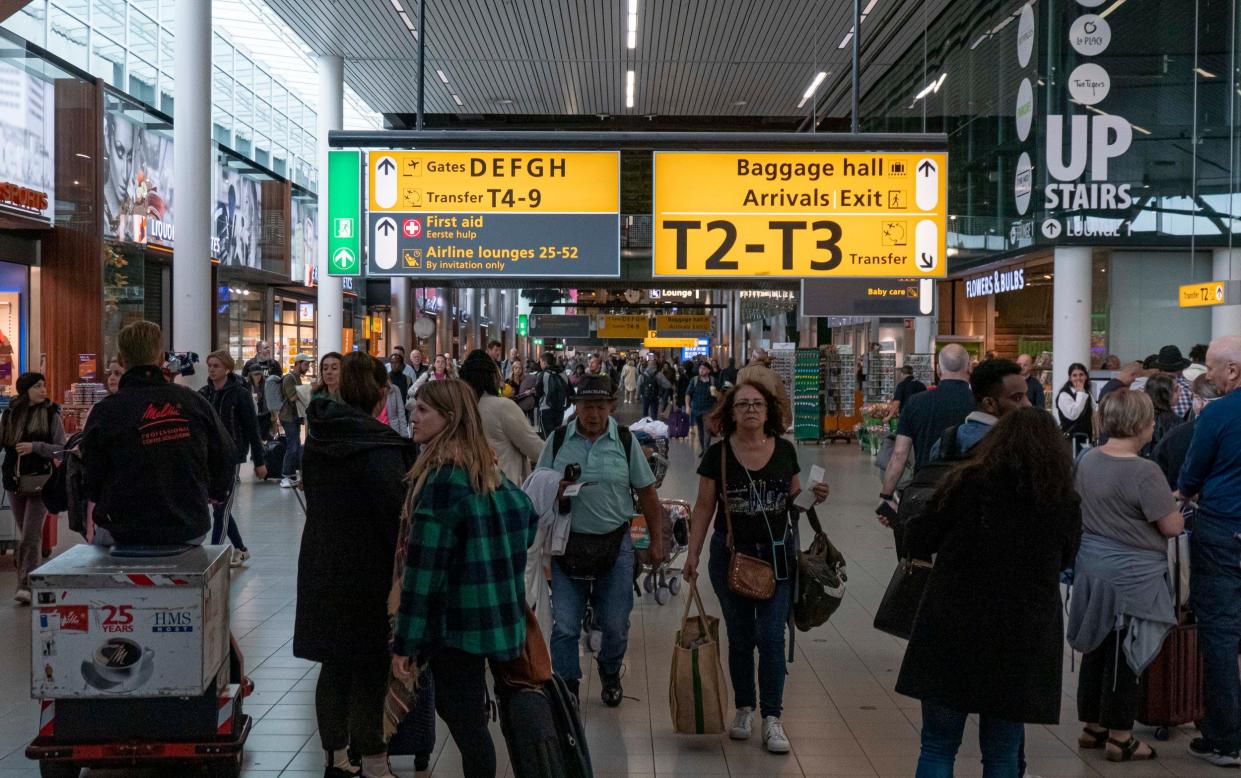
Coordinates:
(543, 731)
(273, 456)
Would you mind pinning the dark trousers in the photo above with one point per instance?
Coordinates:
(223, 515)
(752, 625)
(349, 704)
(1108, 691)
(461, 701)
(549, 421)
(704, 432)
(650, 406)
(1215, 589)
(292, 447)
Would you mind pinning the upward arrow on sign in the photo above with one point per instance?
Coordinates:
(386, 165)
(927, 168)
(386, 226)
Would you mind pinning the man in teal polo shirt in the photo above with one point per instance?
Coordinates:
(597, 567)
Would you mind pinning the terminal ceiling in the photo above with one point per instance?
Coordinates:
(532, 60)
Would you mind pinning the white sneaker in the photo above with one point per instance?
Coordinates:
(742, 724)
(773, 736)
(286, 483)
(22, 597)
(238, 558)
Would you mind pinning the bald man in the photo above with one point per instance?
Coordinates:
(759, 371)
(1212, 476)
(926, 416)
(1034, 387)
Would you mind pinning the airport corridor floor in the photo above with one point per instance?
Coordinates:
(841, 713)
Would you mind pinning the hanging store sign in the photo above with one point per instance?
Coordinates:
(622, 326)
(547, 325)
(805, 215)
(683, 324)
(137, 182)
(344, 214)
(996, 282)
(1210, 293)
(867, 297)
(27, 143)
(494, 213)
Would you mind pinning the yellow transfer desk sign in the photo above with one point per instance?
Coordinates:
(801, 214)
(493, 213)
(631, 327)
(1210, 293)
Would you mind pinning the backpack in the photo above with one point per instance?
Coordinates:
(555, 393)
(916, 498)
(622, 432)
(543, 731)
(273, 398)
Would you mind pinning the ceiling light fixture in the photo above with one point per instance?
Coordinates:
(632, 40)
(809, 93)
(869, 7)
(443, 77)
(457, 99)
(1204, 73)
(629, 89)
(845, 41)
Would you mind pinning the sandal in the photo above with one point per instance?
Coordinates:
(1092, 738)
(1129, 751)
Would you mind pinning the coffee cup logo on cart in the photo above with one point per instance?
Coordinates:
(118, 660)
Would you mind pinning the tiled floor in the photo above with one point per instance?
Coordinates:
(841, 713)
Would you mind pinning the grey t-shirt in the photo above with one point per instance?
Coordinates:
(1122, 498)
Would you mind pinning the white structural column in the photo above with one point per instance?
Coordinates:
(402, 314)
(925, 330)
(331, 116)
(1226, 319)
(191, 262)
(1070, 328)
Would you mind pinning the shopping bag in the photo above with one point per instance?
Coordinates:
(698, 691)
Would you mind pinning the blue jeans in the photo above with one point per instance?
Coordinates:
(223, 515)
(1215, 593)
(292, 447)
(941, 737)
(611, 597)
(752, 624)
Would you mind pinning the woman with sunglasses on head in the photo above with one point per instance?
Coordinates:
(747, 482)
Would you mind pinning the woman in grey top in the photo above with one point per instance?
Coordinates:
(1122, 604)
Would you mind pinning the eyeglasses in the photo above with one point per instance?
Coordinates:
(749, 405)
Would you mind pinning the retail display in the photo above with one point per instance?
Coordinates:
(923, 366)
(782, 356)
(880, 369)
(807, 395)
(79, 399)
(839, 378)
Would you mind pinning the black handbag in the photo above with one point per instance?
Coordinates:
(899, 608)
(588, 557)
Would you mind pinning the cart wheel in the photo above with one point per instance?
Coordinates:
(1161, 733)
(59, 770)
(648, 583)
(674, 585)
(225, 768)
(662, 595)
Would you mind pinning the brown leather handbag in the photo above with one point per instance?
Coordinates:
(748, 575)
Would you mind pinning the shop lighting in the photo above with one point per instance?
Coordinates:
(1204, 73)
(814, 85)
(629, 89)
(632, 41)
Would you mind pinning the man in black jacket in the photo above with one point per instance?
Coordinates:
(156, 454)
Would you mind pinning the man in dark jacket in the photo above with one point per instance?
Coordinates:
(262, 360)
(156, 453)
(230, 398)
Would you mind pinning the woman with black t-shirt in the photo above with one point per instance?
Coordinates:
(755, 470)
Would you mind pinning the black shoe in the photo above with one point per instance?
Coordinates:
(421, 762)
(612, 693)
(1199, 748)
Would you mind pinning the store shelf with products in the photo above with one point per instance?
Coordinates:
(782, 357)
(79, 399)
(807, 395)
(840, 392)
(880, 369)
(923, 366)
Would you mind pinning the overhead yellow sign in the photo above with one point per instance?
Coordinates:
(1210, 293)
(655, 341)
(693, 322)
(622, 327)
(808, 215)
(495, 181)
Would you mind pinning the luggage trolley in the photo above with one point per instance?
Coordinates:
(133, 662)
(662, 579)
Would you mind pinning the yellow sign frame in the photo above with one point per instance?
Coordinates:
(1207, 293)
(683, 322)
(627, 326)
(800, 214)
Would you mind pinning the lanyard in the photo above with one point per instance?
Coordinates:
(777, 546)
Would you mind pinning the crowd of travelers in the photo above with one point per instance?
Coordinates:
(427, 485)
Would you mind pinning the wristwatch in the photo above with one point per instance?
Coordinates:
(888, 497)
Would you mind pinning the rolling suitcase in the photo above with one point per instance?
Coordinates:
(1172, 686)
(543, 731)
(273, 456)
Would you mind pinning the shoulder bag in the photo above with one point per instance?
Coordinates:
(31, 484)
(748, 576)
(899, 608)
(820, 579)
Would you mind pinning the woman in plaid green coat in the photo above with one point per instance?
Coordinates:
(463, 585)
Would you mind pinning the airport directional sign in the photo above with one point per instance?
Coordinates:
(494, 213)
(800, 214)
(344, 214)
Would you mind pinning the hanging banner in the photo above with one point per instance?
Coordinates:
(810, 215)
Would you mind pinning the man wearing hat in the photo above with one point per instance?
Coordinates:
(598, 563)
(1170, 362)
(291, 412)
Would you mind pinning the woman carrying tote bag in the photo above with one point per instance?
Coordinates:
(747, 482)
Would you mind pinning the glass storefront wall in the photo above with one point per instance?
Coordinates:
(294, 332)
(239, 317)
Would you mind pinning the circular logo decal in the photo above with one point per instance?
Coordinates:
(1025, 109)
(1089, 83)
(1023, 183)
(1091, 3)
(1025, 35)
(1090, 34)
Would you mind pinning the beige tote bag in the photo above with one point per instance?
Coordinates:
(698, 690)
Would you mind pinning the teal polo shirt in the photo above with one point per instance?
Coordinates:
(606, 505)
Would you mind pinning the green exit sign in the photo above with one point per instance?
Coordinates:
(523, 325)
(538, 341)
(344, 213)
